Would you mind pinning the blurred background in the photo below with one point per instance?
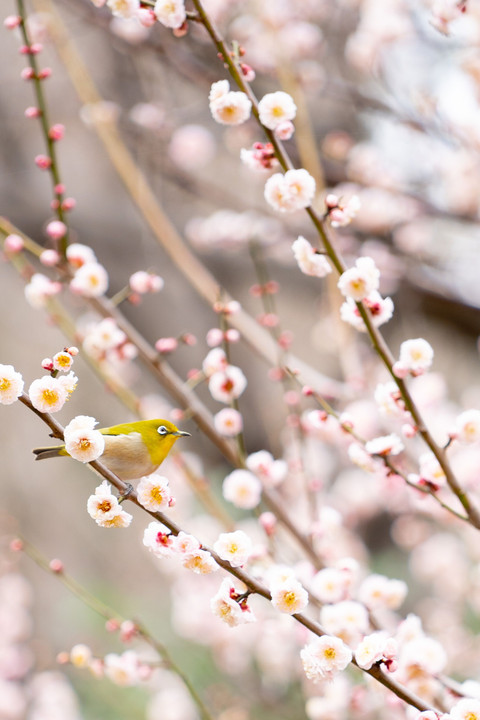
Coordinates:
(387, 109)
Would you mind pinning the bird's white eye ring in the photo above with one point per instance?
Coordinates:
(162, 430)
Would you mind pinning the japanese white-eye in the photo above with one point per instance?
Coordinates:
(132, 450)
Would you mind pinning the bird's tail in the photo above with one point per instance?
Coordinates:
(48, 452)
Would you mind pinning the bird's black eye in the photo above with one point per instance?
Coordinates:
(162, 430)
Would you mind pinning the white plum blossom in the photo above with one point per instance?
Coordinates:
(81, 655)
(228, 422)
(90, 280)
(378, 591)
(62, 361)
(124, 669)
(242, 488)
(425, 653)
(236, 547)
(380, 311)
(359, 281)
(341, 212)
(159, 540)
(47, 394)
(105, 509)
(374, 648)
(465, 709)
(124, 8)
(40, 289)
(170, 13)
(416, 356)
(200, 561)
(271, 472)
(185, 544)
(79, 254)
(361, 458)
(215, 361)
(143, 282)
(330, 585)
(228, 384)
(467, 427)
(347, 619)
(289, 596)
(389, 399)
(293, 191)
(430, 471)
(11, 384)
(385, 445)
(276, 108)
(228, 107)
(324, 657)
(310, 261)
(153, 492)
(82, 441)
(225, 606)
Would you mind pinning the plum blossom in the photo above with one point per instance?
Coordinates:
(385, 445)
(225, 606)
(170, 13)
(380, 311)
(293, 191)
(310, 261)
(228, 422)
(236, 547)
(416, 356)
(153, 492)
(11, 384)
(324, 657)
(159, 540)
(289, 596)
(123, 8)
(467, 427)
(276, 108)
(90, 280)
(48, 394)
(82, 442)
(375, 648)
(466, 709)
(360, 281)
(378, 591)
(228, 107)
(40, 289)
(105, 508)
(228, 384)
(271, 472)
(242, 488)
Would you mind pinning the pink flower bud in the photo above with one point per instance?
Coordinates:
(112, 625)
(63, 658)
(27, 73)
(32, 112)
(291, 397)
(268, 521)
(181, 31)
(56, 566)
(331, 201)
(214, 337)
(56, 132)
(285, 130)
(400, 370)
(166, 345)
(307, 390)
(189, 339)
(44, 73)
(47, 364)
(268, 320)
(73, 351)
(43, 162)
(409, 431)
(68, 204)
(276, 374)
(56, 229)
(232, 335)
(59, 189)
(12, 21)
(146, 17)
(13, 244)
(285, 339)
(128, 630)
(49, 258)
(54, 204)
(248, 72)
(36, 48)
(16, 545)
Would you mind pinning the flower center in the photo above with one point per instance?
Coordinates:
(4, 384)
(105, 506)
(50, 396)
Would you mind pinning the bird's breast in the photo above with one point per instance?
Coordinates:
(127, 456)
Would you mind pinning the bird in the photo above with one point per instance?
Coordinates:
(132, 450)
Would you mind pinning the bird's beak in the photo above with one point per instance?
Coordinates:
(181, 433)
